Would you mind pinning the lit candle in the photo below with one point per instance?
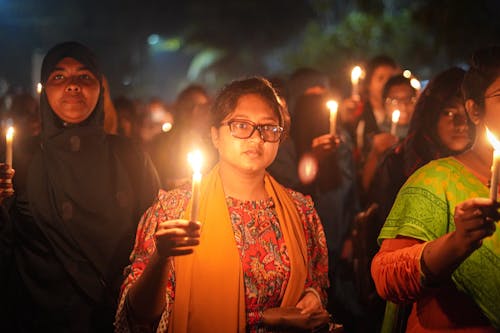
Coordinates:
(39, 88)
(395, 120)
(495, 165)
(195, 160)
(333, 107)
(8, 146)
(355, 75)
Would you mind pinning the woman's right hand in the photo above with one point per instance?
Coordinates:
(6, 175)
(475, 220)
(176, 237)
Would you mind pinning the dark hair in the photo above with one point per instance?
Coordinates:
(397, 80)
(373, 64)
(185, 103)
(442, 91)
(227, 99)
(484, 70)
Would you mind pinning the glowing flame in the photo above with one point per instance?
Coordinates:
(407, 73)
(332, 106)
(493, 140)
(39, 88)
(195, 159)
(356, 74)
(395, 116)
(10, 134)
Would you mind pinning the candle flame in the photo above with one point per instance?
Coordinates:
(332, 105)
(39, 88)
(356, 74)
(10, 133)
(395, 116)
(493, 139)
(407, 73)
(195, 159)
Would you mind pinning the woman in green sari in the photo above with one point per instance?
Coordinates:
(440, 248)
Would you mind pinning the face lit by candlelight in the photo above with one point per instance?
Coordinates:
(401, 97)
(252, 155)
(452, 127)
(72, 91)
(379, 78)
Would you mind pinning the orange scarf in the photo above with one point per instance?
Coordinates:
(209, 291)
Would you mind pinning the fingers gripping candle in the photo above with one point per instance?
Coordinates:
(195, 160)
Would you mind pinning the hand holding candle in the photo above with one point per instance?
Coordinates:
(495, 165)
(333, 107)
(395, 119)
(195, 160)
(355, 75)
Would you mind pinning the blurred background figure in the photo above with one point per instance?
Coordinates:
(191, 130)
(128, 118)
(155, 118)
(399, 97)
(334, 186)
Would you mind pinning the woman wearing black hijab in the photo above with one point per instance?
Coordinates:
(74, 216)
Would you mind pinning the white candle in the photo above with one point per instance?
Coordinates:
(8, 146)
(195, 160)
(495, 165)
(355, 75)
(333, 107)
(395, 120)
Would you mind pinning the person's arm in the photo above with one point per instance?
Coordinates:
(474, 220)
(395, 269)
(381, 143)
(172, 238)
(317, 276)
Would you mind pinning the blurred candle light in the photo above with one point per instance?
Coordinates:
(167, 126)
(495, 164)
(407, 73)
(9, 137)
(195, 159)
(395, 119)
(355, 75)
(333, 107)
(39, 88)
(307, 168)
(415, 83)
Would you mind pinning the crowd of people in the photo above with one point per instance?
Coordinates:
(368, 223)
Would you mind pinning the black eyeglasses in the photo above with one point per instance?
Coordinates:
(243, 129)
(400, 101)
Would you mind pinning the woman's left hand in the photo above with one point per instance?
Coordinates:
(309, 303)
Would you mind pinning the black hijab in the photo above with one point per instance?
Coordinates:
(79, 191)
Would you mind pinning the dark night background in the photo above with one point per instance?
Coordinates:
(154, 48)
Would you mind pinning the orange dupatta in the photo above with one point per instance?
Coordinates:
(209, 290)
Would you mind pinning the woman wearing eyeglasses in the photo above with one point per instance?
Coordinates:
(256, 259)
(440, 245)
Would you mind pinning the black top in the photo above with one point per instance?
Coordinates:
(74, 217)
